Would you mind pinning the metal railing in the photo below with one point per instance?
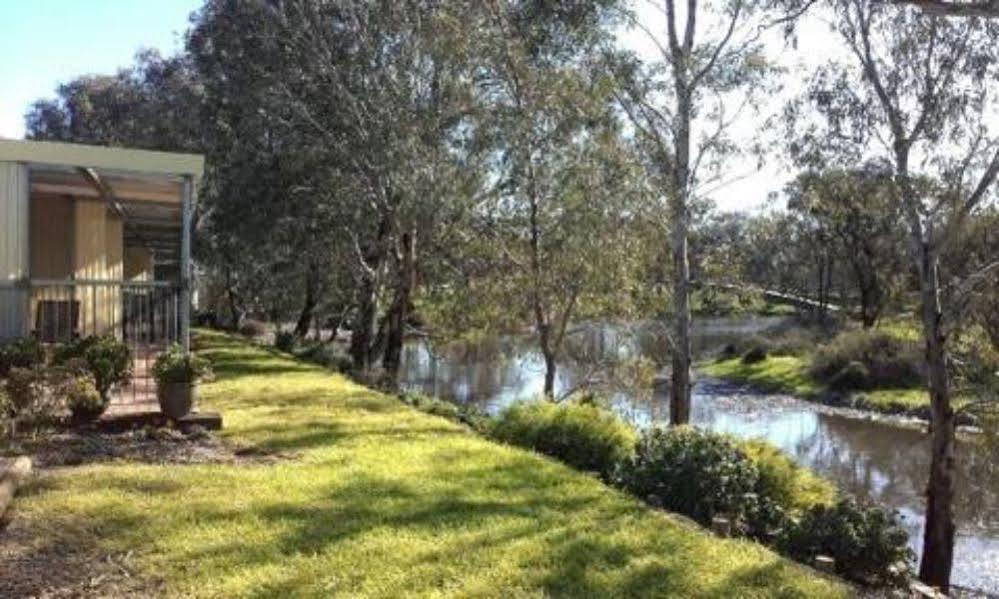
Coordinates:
(146, 315)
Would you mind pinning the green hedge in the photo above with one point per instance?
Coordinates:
(580, 434)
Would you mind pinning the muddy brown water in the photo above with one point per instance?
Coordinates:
(871, 459)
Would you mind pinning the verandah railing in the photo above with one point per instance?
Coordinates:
(146, 315)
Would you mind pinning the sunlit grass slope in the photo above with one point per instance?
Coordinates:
(383, 501)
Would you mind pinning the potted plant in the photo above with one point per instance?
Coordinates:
(177, 374)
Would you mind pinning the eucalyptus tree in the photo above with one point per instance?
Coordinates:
(546, 240)
(153, 104)
(919, 92)
(363, 94)
(856, 209)
(708, 70)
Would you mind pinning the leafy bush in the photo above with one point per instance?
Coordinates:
(80, 394)
(866, 542)
(20, 353)
(252, 328)
(853, 376)
(785, 482)
(285, 341)
(890, 361)
(108, 359)
(754, 355)
(176, 366)
(581, 435)
(697, 473)
(29, 395)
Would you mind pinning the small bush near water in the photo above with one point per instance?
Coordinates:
(765, 496)
(696, 473)
(866, 542)
(868, 359)
(580, 434)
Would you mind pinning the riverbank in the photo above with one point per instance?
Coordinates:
(790, 375)
(362, 495)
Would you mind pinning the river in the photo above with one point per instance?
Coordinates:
(873, 460)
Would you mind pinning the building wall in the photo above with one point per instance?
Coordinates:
(13, 249)
(52, 235)
(98, 256)
(138, 264)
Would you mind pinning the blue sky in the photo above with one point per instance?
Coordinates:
(45, 42)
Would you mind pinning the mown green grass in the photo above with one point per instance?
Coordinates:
(789, 374)
(383, 501)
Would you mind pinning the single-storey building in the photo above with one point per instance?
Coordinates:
(97, 241)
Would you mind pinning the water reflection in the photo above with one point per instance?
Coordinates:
(872, 460)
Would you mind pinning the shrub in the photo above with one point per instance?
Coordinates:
(252, 328)
(785, 482)
(853, 376)
(108, 360)
(285, 341)
(29, 395)
(889, 360)
(755, 354)
(866, 542)
(697, 473)
(581, 435)
(80, 394)
(176, 366)
(20, 353)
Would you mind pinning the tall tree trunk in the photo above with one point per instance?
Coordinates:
(399, 311)
(551, 365)
(363, 327)
(938, 531)
(235, 305)
(938, 534)
(310, 301)
(679, 212)
(680, 379)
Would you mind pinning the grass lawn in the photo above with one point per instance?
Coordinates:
(789, 374)
(382, 500)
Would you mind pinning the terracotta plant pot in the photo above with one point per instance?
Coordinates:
(176, 399)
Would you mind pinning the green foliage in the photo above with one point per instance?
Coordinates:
(697, 473)
(868, 543)
(29, 395)
(285, 340)
(784, 481)
(374, 480)
(855, 375)
(582, 435)
(80, 395)
(889, 361)
(176, 366)
(755, 354)
(25, 352)
(108, 359)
